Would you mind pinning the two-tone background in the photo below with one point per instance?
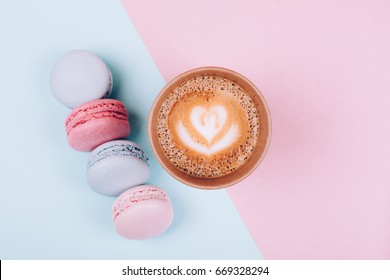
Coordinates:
(323, 190)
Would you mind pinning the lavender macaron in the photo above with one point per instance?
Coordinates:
(116, 166)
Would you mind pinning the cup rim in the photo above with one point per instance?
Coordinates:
(237, 175)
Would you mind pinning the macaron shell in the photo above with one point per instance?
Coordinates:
(80, 76)
(143, 215)
(115, 174)
(144, 220)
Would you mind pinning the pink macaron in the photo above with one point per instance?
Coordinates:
(142, 212)
(96, 122)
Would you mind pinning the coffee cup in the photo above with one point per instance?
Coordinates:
(209, 127)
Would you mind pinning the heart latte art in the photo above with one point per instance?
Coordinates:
(207, 121)
(208, 131)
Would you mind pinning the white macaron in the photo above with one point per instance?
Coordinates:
(80, 76)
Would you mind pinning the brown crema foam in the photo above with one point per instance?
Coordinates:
(208, 127)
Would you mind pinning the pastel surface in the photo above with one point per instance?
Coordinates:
(57, 215)
(116, 166)
(323, 67)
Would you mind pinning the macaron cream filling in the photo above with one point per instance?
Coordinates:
(125, 201)
(118, 150)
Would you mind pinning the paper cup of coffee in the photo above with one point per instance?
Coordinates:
(209, 127)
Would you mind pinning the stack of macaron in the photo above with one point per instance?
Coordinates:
(81, 81)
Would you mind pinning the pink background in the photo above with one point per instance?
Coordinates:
(323, 190)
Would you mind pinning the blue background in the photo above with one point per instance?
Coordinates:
(47, 210)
